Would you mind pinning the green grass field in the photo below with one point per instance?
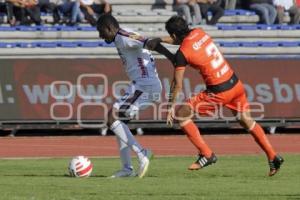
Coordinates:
(233, 177)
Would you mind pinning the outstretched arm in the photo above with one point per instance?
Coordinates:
(167, 39)
(155, 44)
(164, 51)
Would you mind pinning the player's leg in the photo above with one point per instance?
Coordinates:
(124, 149)
(117, 120)
(240, 107)
(151, 94)
(184, 115)
(124, 110)
(257, 132)
(127, 168)
(261, 139)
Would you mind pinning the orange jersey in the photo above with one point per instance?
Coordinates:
(201, 53)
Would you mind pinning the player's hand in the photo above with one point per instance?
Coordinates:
(152, 43)
(170, 117)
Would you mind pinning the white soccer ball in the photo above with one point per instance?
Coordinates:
(80, 166)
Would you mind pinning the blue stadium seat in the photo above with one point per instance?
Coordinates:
(247, 27)
(88, 44)
(227, 27)
(239, 12)
(266, 27)
(7, 28)
(26, 45)
(46, 44)
(87, 28)
(46, 28)
(66, 44)
(229, 44)
(244, 12)
(249, 44)
(287, 27)
(66, 28)
(7, 45)
(26, 28)
(268, 44)
(230, 13)
(290, 27)
(289, 44)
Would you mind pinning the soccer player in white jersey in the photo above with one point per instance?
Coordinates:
(145, 88)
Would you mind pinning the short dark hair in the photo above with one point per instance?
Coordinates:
(107, 20)
(178, 26)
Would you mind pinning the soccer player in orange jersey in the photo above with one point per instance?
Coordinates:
(223, 88)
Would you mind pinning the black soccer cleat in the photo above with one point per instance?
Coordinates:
(202, 161)
(275, 165)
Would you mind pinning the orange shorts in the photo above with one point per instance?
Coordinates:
(235, 99)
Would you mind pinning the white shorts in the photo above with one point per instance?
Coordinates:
(138, 97)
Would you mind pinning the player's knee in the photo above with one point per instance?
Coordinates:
(122, 116)
(183, 113)
(246, 123)
(245, 119)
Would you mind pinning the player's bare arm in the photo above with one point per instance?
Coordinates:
(167, 39)
(155, 44)
(176, 87)
(152, 43)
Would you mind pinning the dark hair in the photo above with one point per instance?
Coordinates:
(178, 26)
(107, 20)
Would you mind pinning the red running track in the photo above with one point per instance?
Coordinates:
(12, 147)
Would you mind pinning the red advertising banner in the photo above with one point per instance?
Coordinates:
(64, 89)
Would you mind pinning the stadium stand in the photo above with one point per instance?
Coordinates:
(237, 33)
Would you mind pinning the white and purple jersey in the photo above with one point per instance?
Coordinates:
(138, 62)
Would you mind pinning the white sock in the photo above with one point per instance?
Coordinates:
(124, 154)
(122, 131)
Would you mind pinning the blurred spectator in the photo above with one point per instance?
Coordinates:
(230, 4)
(18, 12)
(70, 9)
(265, 9)
(289, 6)
(93, 8)
(13, 11)
(214, 6)
(32, 10)
(2, 10)
(48, 6)
(186, 8)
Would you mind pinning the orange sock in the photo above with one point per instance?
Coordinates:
(193, 133)
(260, 137)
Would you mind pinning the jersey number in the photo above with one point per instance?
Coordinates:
(212, 50)
(217, 59)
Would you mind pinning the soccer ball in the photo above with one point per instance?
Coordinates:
(80, 166)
